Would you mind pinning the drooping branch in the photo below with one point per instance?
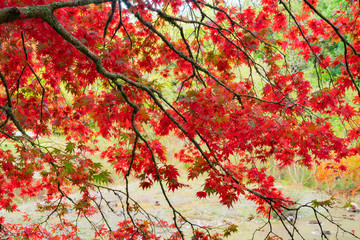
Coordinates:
(335, 28)
(16, 122)
(8, 96)
(54, 23)
(12, 14)
(37, 78)
(301, 31)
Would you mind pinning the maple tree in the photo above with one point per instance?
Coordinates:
(102, 68)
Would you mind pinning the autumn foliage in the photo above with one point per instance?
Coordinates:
(213, 73)
(343, 175)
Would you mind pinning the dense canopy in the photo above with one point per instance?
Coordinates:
(238, 84)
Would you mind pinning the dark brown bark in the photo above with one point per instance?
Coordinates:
(9, 14)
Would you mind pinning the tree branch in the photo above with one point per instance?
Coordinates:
(12, 14)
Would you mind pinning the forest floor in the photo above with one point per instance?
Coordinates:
(209, 213)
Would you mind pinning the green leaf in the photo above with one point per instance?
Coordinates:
(326, 203)
(252, 124)
(70, 147)
(209, 191)
(231, 229)
(69, 167)
(315, 203)
(102, 177)
(98, 165)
